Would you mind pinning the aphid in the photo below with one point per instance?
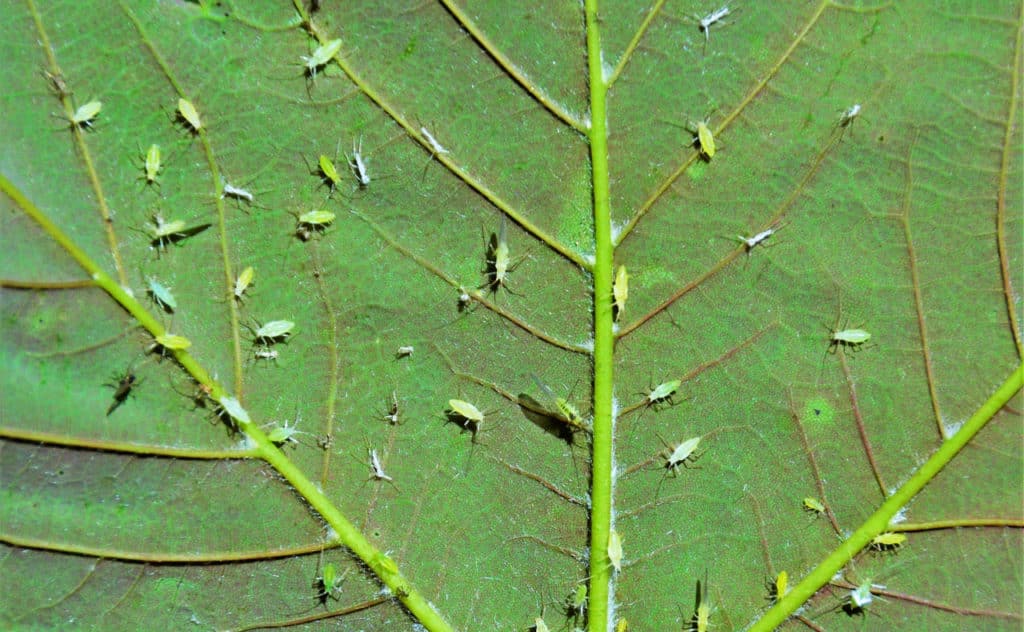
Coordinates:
(328, 172)
(705, 139)
(405, 351)
(281, 435)
(274, 331)
(86, 114)
(314, 221)
(566, 411)
(189, 114)
(813, 505)
(243, 281)
(378, 469)
(173, 342)
(850, 113)
(122, 389)
(58, 83)
(663, 392)
(358, 165)
(434, 145)
(859, 598)
(320, 57)
(615, 550)
(498, 259)
(576, 603)
(888, 541)
(752, 242)
(161, 294)
(328, 583)
(164, 232)
(152, 163)
(620, 290)
(466, 415)
(540, 626)
(851, 338)
(392, 414)
(238, 193)
(702, 614)
(681, 454)
(781, 586)
(234, 409)
(709, 19)
(622, 626)
(266, 353)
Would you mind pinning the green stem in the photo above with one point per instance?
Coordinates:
(348, 534)
(604, 338)
(879, 521)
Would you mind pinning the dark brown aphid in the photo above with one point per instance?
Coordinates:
(122, 386)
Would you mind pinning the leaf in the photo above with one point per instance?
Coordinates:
(904, 222)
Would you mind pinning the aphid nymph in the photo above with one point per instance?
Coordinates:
(752, 242)
(161, 294)
(190, 115)
(376, 468)
(620, 291)
(814, 506)
(313, 221)
(84, 116)
(230, 190)
(244, 280)
(152, 163)
(320, 57)
(850, 338)
(405, 351)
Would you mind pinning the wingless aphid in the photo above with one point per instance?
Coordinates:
(620, 290)
(435, 146)
(173, 342)
(316, 220)
(576, 603)
(86, 114)
(244, 280)
(813, 505)
(702, 613)
(161, 294)
(273, 331)
(663, 392)
(320, 57)
(328, 172)
(851, 338)
(377, 469)
(232, 191)
(328, 583)
(615, 550)
(681, 454)
(708, 20)
(498, 259)
(405, 351)
(392, 415)
(888, 541)
(705, 139)
(188, 113)
(466, 415)
(152, 163)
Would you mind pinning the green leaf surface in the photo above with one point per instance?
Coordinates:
(905, 222)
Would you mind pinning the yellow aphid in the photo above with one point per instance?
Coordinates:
(85, 114)
(888, 541)
(781, 585)
(317, 218)
(705, 139)
(152, 163)
(172, 342)
(615, 550)
(813, 505)
(622, 626)
(620, 290)
(243, 281)
(189, 114)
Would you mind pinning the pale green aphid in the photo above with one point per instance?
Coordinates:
(234, 408)
(161, 294)
(243, 281)
(566, 411)
(329, 172)
(540, 626)
(85, 114)
(615, 550)
(576, 603)
(620, 290)
(498, 258)
(152, 163)
(328, 583)
(266, 353)
(189, 114)
(281, 435)
(814, 505)
(681, 453)
(316, 219)
(163, 232)
(888, 541)
(705, 139)
(849, 338)
(173, 342)
(467, 411)
(781, 585)
(663, 392)
(321, 56)
(274, 330)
